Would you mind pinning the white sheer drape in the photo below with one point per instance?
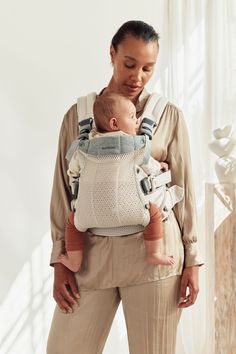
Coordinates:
(198, 73)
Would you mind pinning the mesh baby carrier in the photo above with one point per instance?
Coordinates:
(112, 191)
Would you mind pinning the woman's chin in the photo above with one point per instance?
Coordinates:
(133, 94)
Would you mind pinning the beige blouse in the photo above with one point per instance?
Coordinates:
(171, 144)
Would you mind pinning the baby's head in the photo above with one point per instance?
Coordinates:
(114, 112)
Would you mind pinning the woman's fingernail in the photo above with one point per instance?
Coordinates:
(78, 296)
(181, 300)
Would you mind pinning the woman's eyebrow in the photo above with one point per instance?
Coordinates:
(131, 58)
(128, 57)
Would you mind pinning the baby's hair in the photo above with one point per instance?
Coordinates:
(104, 108)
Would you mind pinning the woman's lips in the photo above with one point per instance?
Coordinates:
(133, 88)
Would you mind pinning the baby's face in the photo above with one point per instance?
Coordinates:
(126, 118)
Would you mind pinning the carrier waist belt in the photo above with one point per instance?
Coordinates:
(117, 231)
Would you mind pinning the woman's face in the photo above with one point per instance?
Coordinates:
(133, 66)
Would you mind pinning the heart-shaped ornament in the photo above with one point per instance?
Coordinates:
(222, 132)
(222, 147)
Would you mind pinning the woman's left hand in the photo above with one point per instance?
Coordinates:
(189, 281)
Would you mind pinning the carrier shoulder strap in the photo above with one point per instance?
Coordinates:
(154, 107)
(85, 106)
(85, 112)
(150, 118)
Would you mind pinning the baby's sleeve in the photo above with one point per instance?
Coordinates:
(153, 167)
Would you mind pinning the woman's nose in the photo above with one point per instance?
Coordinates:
(137, 76)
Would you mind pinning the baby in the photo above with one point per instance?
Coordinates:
(116, 114)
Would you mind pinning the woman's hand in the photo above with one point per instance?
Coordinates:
(65, 290)
(189, 281)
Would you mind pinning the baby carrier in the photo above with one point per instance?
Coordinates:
(112, 192)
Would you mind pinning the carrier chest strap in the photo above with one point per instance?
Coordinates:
(150, 184)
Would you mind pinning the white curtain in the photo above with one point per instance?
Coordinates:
(198, 73)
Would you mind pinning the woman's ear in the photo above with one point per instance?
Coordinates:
(113, 124)
(112, 53)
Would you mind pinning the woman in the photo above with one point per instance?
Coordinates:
(114, 268)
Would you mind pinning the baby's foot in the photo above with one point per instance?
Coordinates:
(162, 259)
(73, 265)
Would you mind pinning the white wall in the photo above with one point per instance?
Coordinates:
(51, 53)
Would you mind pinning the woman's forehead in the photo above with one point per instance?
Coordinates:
(132, 48)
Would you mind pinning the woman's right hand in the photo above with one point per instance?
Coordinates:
(65, 290)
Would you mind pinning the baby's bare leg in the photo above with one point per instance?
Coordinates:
(155, 255)
(153, 234)
(72, 260)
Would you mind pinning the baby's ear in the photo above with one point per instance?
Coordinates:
(113, 124)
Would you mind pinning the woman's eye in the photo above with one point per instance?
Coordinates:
(129, 66)
(147, 70)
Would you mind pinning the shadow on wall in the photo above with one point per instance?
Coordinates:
(26, 310)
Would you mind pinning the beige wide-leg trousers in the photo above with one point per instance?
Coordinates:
(151, 316)
(115, 269)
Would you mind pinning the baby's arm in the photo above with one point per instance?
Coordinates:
(154, 167)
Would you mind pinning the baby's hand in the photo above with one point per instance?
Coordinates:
(164, 166)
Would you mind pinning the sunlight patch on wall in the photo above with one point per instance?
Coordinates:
(25, 314)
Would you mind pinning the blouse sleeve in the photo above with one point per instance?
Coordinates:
(61, 194)
(181, 172)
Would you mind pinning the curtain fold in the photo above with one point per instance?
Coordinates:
(198, 73)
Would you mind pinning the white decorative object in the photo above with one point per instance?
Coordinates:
(222, 146)
(222, 132)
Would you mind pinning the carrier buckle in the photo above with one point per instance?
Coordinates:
(75, 188)
(150, 184)
(146, 185)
